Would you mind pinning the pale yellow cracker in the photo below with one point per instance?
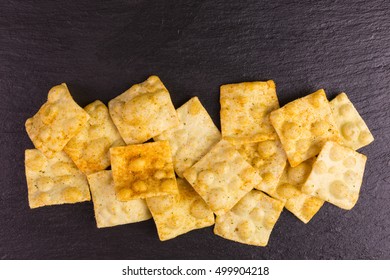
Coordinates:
(222, 177)
(89, 149)
(143, 111)
(337, 175)
(180, 213)
(54, 181)
(303, 206)
(251, 220)
(56, 122)
(108, 210)
(352, 128)
(194, 136)
(304, 125)
(268, 158)
(245, 109)
(143, 170)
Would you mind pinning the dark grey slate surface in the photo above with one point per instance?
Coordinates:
(101, 48)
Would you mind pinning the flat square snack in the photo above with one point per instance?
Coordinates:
(56, 122)
(89, 149)
(251, 220)
(54, 181)
(304, 125)
(222, 177)
(268, 158)
(143, 170)
(245, 109)
(336, 176)
(353, 130)
(303, 206)
(194, 136)
(180, 213)
(143, 111)
(109, 211)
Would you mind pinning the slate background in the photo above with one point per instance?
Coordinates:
(100, 48)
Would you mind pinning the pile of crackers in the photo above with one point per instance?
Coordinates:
(191, 175)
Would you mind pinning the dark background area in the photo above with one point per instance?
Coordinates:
(101, 48)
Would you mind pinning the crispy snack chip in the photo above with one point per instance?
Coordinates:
(268, 158)
(303, 206)
(143, 170)
(108, 210)
(54, 181)
(352, 128)
(193, 138)
(143, 111)
(180, 213)
(245, 109)
(304, 125)
(251, 220)
(56, 122)
(89, 149)
(337, 175)
(222, 177)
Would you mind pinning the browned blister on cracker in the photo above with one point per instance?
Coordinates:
(54, 181)
(304, 125)
(143, 170)
(245, 109)
(57, 121)
(143, 111)
(179, 213)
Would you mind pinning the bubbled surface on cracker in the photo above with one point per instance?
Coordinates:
(245, 109)
(303, 206)
(56, 122)
(251, 220)
(90, 148)
(222, 177)
(180, 213)
(108, 210)
(54, 181)
(268, 158)
(304, 125)
(336, 176)
(143, 170)
(353, 130)
(194, 136)
(143, 111)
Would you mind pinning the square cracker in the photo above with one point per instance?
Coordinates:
(56, 122)
(143, 111)
(108, 210)
(89, 149)
(245, 109)
(54, 181)
(268, 158)
(222, 177)
(336, 176)
(251, 220)
(303, 206)
(194, 136)
(143, 170)
(352, 128)
(304, 125)
(179, 213)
